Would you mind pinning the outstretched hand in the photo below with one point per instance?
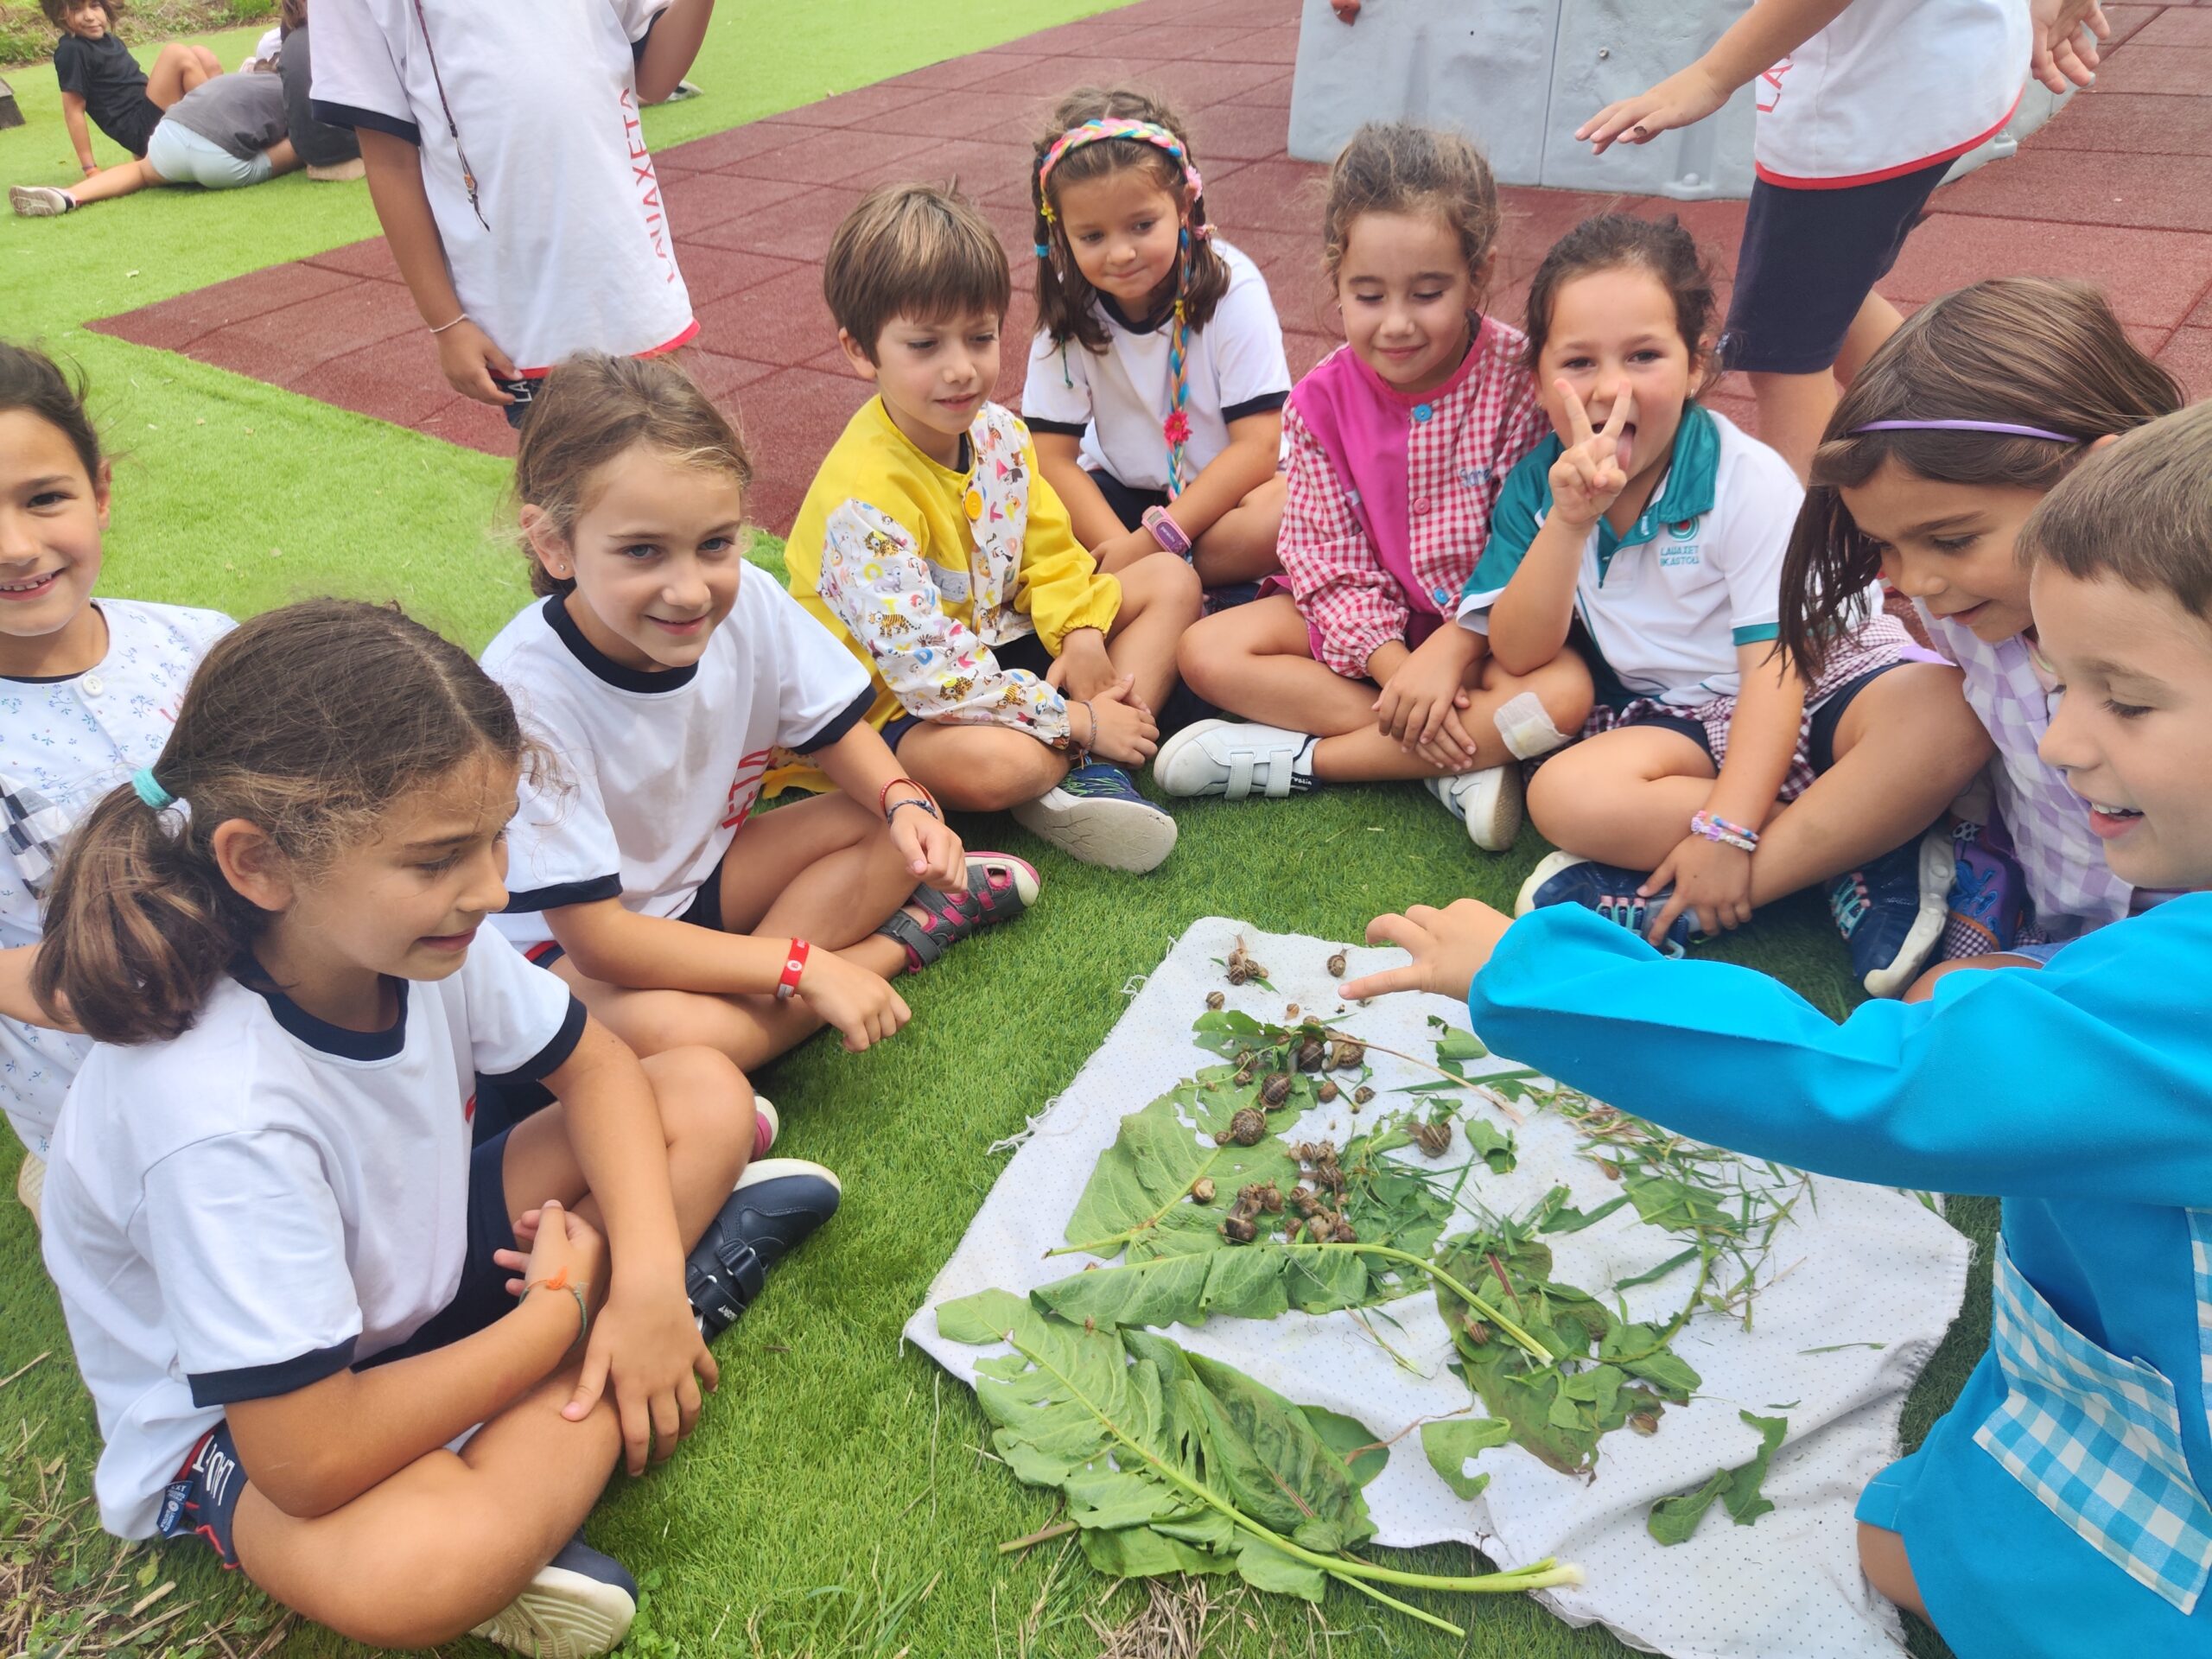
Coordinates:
(2061, 58)
(1448, 947)
(1685, 97)
(1588, 477)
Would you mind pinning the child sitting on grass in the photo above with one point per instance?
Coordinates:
(1009, 671)
(1957, 428)
(1157, 378)
(664, 672)
(101, 79)
(91, 691)
(2063, 1505)
(1713, 776)
(291, 1285)
(1399, 443)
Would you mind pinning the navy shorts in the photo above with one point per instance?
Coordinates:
(1129, 503)
(204, 1497)
(1819, 746)
(1027, 652)
(1809, 259)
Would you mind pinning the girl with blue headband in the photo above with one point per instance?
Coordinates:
(1952, 433)
(1157, 380)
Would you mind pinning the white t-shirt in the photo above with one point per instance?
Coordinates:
(267, 1199)
(1889, 87)
(1696, 576)
(658, 770)
(577, 255)
(1119, 402)
(64, 743)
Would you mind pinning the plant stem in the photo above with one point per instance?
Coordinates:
(1537, 1575)
(1042, 1535)
(1536, 1350)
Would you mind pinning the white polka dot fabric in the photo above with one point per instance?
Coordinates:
(1855, 1265)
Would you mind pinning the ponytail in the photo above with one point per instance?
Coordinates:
(306, 723)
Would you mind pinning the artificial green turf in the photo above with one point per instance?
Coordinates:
(836, 1500)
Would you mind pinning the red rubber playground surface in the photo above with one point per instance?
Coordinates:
(2117, 189)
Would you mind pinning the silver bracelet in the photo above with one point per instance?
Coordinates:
(442, 327)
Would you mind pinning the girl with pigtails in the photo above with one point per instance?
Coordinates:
(1157, 378)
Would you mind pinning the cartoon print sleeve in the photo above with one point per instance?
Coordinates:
(1349, 602)
(357, 78)
(877, 583)
(1056, 394)
(1059, 583)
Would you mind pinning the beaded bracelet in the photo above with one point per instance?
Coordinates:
(1741, 838)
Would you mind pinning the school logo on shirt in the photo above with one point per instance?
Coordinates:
(1680, 547)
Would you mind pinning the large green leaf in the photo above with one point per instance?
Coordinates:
(1138, 1197)
(1450, 1442)
(1251, 1281)
(1672, 1519)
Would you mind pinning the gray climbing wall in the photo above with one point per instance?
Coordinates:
(1518, 77)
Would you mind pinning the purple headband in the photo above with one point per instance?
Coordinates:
(2004, 429)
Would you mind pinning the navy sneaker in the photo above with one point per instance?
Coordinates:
(1891, 912)
(1566, 878)
(1989, 895)
(775, 1206)
(1095, 817)
(580, 1604)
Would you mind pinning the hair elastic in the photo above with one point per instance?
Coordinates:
(149, 792)
(2003, 429)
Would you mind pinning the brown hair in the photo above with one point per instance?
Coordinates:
(1624, 242)
(592, 407)
(1398, 168)
(33, 383)
(1066, 303)
(2140, 511)
(307, 722)
(2023, 350)
(58, 10)
(918, 250)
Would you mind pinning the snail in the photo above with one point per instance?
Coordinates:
(1246, 1128)
(1344, 1235)
(1643, 1422)
(1312, 1054)
(1434, 1139)
(1274, 1091)
(1320, 1227)
(1238, 973)
(1326, 1092)
(1346, 1053)
(1477, 1332)
(1202, 1189)
(1239, 1229)
(1261, 1195)
(1362, 1095)
(1290, 1014)
(1336, 965)
(1215, 999)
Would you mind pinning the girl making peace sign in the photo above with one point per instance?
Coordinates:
(1647, 535)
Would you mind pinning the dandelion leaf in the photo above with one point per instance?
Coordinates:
(1138, 1197)
(1450, 1443)
(1673, 1519)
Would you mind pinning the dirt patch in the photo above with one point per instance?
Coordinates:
(26, 37)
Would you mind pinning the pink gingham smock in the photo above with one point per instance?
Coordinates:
(1390, 494)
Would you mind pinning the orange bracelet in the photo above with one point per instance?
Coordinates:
(560, 1281)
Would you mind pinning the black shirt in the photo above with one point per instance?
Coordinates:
(318, 144)
(105, 74)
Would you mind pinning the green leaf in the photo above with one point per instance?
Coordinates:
(1654, 1275)
(1351, 1440)
(1665, 1201)
(1563, 1218)
(1493, 1148)
(1840, 1347)
(1138, 1197)
(1458, 1044)
(1673, 1519)
(1449, 1444)
(1252, 1282)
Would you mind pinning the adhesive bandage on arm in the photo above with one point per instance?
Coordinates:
(1526, 727)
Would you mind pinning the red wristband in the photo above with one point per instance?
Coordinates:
(794, 965)
(883, 799)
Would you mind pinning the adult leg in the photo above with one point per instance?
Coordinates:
(1160, 601)
(446, 1542)
(176, 69)
(1882, 1558)
(110, 182)
(980, 768)
(1240, 546)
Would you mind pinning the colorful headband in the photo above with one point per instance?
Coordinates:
(2003, 429)
(1116, 126)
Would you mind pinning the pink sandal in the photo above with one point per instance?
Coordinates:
(999, 887)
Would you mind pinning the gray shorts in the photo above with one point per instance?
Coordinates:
(182, 156)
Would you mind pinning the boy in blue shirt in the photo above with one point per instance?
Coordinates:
(2060, 1507)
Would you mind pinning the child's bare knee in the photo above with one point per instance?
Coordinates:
(697, 1086)
(1207, 660)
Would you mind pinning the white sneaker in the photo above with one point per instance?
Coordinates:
(39, 200)
(1096, 815)
(1232, 759)
(1488, 802)
(339, 172)
(31, 1186)
(580, 1604)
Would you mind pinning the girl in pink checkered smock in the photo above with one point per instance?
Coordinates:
(1399, 442)
(1976, 408)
